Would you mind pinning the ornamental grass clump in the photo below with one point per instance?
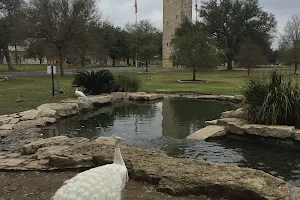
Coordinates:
(272, 100)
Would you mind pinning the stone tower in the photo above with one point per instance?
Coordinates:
(174, 11)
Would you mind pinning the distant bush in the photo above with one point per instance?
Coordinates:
(127, 82)
(95, 82)
(272, 100)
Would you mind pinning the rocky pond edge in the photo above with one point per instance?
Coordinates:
(192, 177)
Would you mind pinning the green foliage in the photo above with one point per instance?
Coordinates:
(273, 100)
(290, 42)
(194, 48)
(95, 82)
(128, 82)
(229, 20)
(146, 39)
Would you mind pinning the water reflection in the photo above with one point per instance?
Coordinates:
(163, 125)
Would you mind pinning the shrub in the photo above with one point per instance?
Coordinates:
(127, 82)
(273, 100)
(95, 82)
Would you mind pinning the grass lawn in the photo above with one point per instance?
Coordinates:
(37, 90)
(40, 68)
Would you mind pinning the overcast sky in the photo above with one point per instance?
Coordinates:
(120, 12)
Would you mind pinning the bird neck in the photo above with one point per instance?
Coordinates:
(118, 156)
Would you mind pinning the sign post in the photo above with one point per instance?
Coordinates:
(52, 74)
(58, 83)
(52, 70)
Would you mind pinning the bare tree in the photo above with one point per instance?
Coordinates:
(290, 42)
(11, 20)
(60, 22)
(250, 54)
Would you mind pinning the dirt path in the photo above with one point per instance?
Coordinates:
(42, 185)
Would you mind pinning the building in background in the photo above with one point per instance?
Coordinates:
(174, 11)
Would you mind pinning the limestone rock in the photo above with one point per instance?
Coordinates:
(105, 141)
(62, 109)
(29, 114)
(295, 193)
(32, 147)
(179, 176)
(15, 115)
(239, 97)
(14, 121)
(225, 121)
(100, 100)
(239, 113)
(117, 96)
(49, 113)
(296, 135)
(4, 119)
(46, 152)
(209, 123)
(83, 102)
(142, 96)
(34, 123)
(270, 131)
(235, 128)
(219, 97)
(7, 127)
(10, 162)
(4, 133)
(208, 132)
(78, 161)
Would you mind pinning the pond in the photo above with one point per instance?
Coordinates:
(164, 125)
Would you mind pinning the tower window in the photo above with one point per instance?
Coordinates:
(167, 44)
(167, 22)
(176, 16)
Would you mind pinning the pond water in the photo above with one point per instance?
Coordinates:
(164, 125)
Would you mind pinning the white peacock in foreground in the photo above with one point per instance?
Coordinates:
(100, 183)
(79, 93)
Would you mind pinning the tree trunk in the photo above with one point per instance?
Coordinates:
(248, 70)
(229, 62)
(82, 62)
(114, 62)
(16, 54)
(40, 59)
(147, 66)
(296, 67)
(194, 73)
(61, 64)
(1, 57)
(128, 61)
(8, 59)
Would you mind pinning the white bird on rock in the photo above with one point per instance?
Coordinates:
(101, 183)
(79, 93)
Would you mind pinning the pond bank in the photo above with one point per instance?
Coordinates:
(50, 113)
(195, 177)
(170, 175)
(42, 185)
(235, 122)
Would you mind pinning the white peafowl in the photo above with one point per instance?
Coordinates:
(100, 183)
(79, 93)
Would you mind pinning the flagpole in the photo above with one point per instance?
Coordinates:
(136, 36)
(196, 8)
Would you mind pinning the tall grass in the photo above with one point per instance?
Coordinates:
(272, 100)
(130, 82)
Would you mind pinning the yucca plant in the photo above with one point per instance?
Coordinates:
(128, 82)
(273, 101)
(95, 82)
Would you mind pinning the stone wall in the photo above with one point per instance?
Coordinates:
(174, 11)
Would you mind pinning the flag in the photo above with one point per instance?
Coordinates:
(136, 7)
